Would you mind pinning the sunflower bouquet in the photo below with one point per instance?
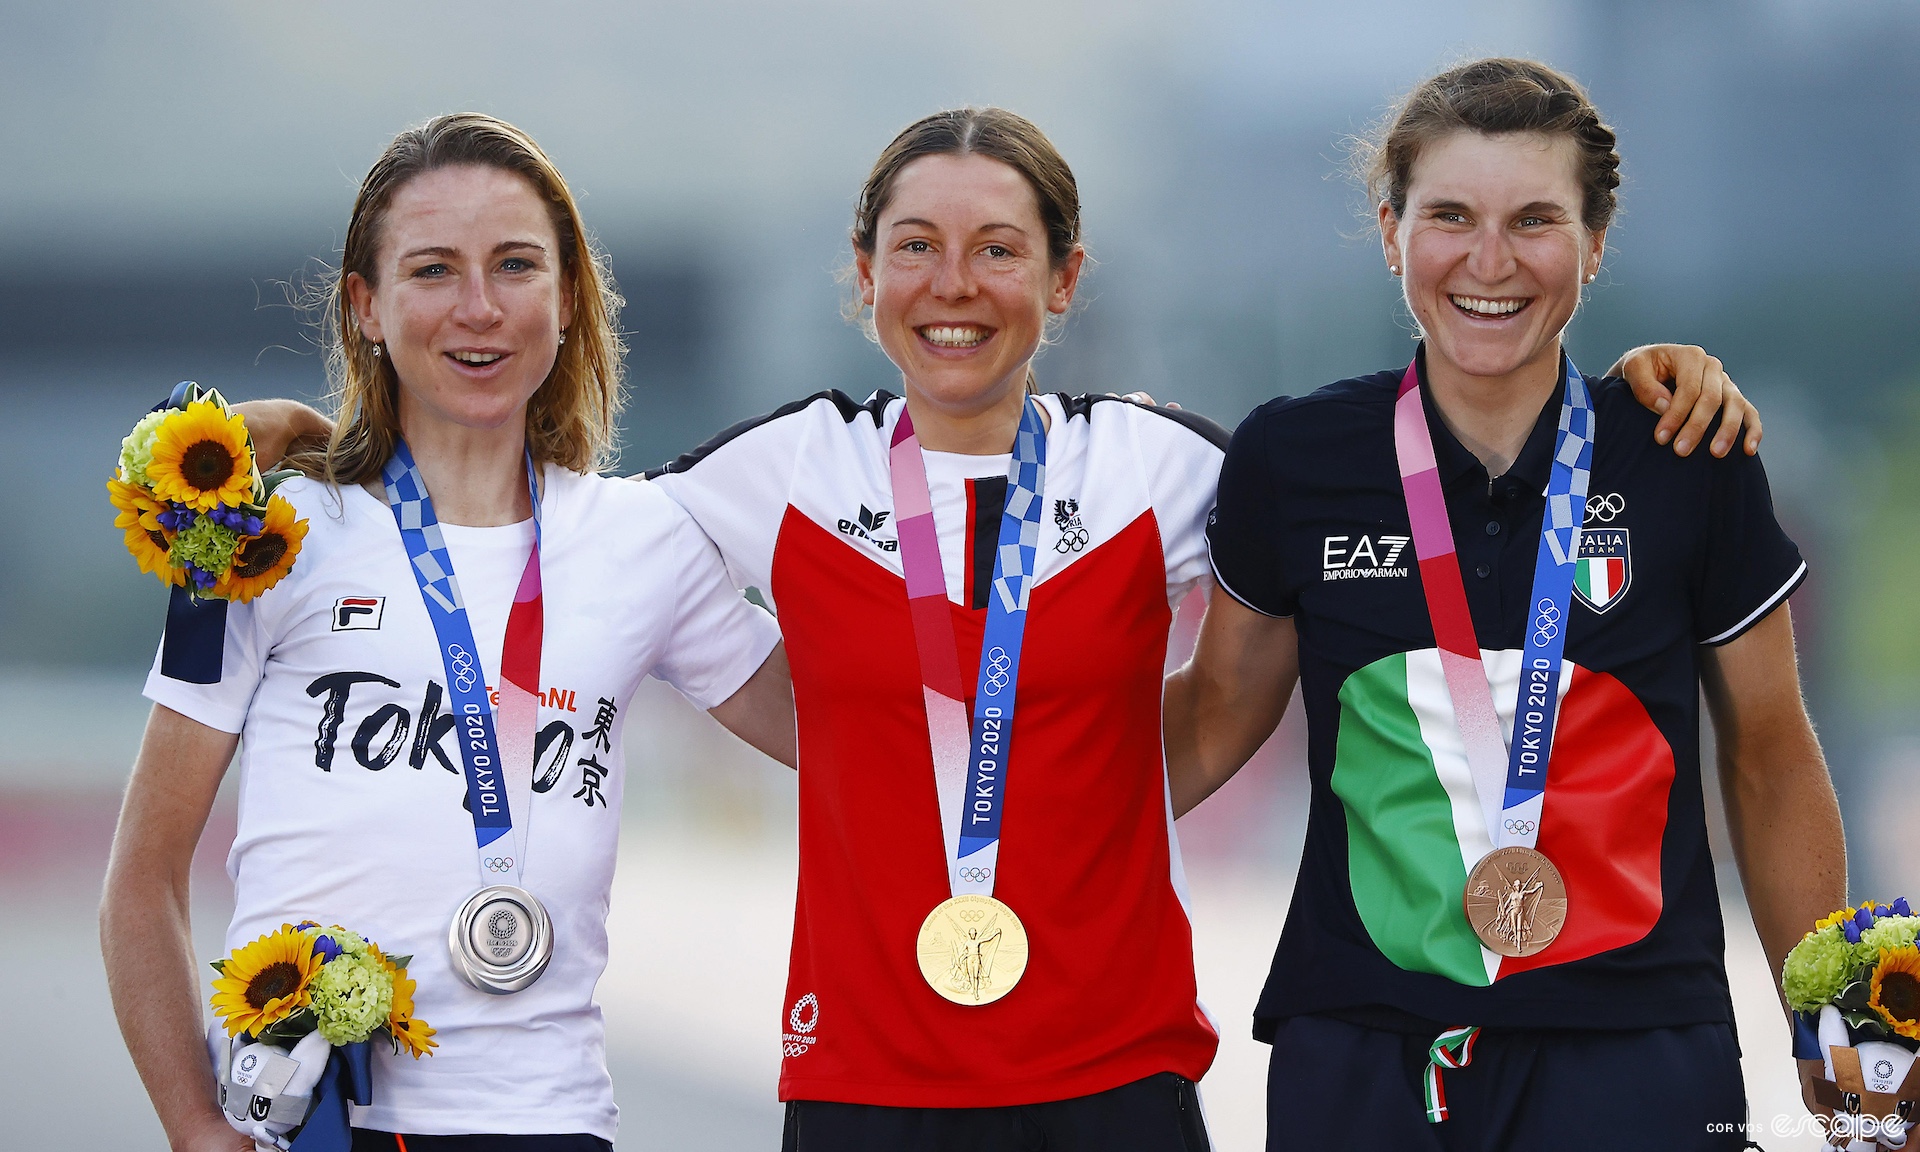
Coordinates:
(1854, 986)
(296, 1010)
(196, 510)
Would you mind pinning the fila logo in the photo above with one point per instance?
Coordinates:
(357, 613)
(1362, 557)
(870, 522)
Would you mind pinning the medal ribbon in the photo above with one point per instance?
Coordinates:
(1451, 1049)
(499, 769)
(1511, 800)
(970, 777)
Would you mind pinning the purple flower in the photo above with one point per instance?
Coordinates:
(251, 526)
(1864, 917)
(325, 947)
(1900, 907)
(200, 576)
(177, 518)
(1852, 929)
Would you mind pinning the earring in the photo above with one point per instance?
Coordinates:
(563, 335)
(1394, 268)
(1589, 279)
(378, 352)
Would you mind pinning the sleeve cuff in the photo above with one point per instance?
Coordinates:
(1222, 581)
(181, 698)
(1754, 617)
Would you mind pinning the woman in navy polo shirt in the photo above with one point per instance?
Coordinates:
(1548, 880)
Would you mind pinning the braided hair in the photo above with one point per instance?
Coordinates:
(1496, 96)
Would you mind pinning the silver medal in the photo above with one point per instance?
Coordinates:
(501, 939)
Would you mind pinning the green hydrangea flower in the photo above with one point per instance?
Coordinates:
(136, 451)
(205, 545)
(1889, 932)
(1817, 969)
(352, 996)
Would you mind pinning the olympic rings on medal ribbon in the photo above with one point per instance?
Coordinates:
(498, 863)
(1521, 827)
(1546, 621)
(975, 875)
(461, 662)
(998, 666)
(1605, 508)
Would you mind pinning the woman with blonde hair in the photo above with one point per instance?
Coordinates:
(430, 708)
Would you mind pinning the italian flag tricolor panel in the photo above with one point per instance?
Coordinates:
(1415, 828)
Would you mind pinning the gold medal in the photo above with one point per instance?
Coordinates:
(972, 949)
(1516, 901)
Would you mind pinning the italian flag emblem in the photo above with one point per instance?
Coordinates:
(1415, 825)
(1604, 568)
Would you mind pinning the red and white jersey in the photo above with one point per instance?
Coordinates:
(800, 503)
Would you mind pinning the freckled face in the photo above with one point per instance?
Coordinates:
(959, 279)
(469, 299)
(1492, 249)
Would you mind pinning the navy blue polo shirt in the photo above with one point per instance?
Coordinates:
(1676, 554)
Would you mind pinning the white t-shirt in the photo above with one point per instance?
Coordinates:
(351, 802)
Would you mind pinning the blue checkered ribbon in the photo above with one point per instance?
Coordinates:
(1014, 562)
(480, 751)
(1538, 700)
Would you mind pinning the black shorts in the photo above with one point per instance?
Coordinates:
(368, 1140)
(1158, 1114)
(1332, 1083)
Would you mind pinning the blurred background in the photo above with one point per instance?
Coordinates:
(177, 171)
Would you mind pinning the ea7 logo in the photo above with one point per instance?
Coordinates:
(870, 523)
(1362, 557)
(353, 613)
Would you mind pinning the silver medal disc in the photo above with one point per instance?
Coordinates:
(501, 939)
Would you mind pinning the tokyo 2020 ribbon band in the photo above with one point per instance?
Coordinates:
(972, 948)
(500, 939)
(1515, 898)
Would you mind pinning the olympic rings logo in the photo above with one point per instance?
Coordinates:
(1521, 827)
(999, 667)
(973, 915)
(464, 677)
(975, 875)
(1546, 621)
(1605, 508)
(803, 1024)
(498, 863)
(792, 1049)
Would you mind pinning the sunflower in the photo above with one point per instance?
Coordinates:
(266, 981)
(201, 458)
(1896, 990)
(262, 560)
(409, 1034)
(147, 539)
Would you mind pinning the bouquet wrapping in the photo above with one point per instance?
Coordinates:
(1854, 986)
(297, 1011)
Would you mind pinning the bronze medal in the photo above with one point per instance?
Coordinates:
(972, 949)
(1516, 901)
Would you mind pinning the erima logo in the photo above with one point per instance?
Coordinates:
(870, 522)
(353, 613)
(1362, 557)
